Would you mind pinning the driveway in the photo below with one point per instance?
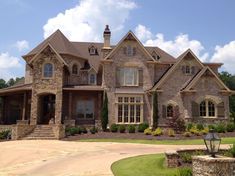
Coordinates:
(52, 157)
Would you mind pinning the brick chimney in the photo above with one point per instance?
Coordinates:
(107, 36)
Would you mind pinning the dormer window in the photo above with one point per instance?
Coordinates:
(48, 70)
(93, 50)
(92, 78)
(155, 56)
(75, 69)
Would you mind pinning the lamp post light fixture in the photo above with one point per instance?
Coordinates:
(212, 142)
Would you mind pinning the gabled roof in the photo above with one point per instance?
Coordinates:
(130, 34)
(171, 70)
(200, 74)
(57, 54)
(59, 42)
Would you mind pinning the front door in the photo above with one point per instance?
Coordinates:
(48, 109)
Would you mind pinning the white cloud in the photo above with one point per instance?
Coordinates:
(225, 54)
(7, 61)
(87, 20)
(175, 47)
(22, 45)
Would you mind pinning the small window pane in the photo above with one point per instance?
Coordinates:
(92, 78)
(132, 99)
(119, 113)
(203, 109)
(125, 113)
(169, 111)
(132, 113)
(48, 70)
(137, 113)
(126, 99)
(187, 70)
(211, 109)
(120, 99)
(137, 99)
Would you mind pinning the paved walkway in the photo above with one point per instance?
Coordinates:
(45, 157)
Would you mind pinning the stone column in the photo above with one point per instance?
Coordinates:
(24, 106)
(70, 105)
(34, 108)
(58, 107)
(2, 110)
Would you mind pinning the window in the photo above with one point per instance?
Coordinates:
(129, 76)
(169, 111)
(207, 109)
(129, 50)
(92, 78)
(48, 70)
(85, 109)
(129, 109)
(187, 69)
(75, 69)
(93, 51)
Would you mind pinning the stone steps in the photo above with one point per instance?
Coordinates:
(41, 132)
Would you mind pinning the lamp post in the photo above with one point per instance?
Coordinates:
(212, 142)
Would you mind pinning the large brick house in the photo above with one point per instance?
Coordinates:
(65, 82)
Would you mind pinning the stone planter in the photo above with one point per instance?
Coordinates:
(208, 166)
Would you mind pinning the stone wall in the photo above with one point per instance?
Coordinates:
(59, 131)
(208, 166)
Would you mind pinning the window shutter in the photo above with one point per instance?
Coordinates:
(118, 84)
(124, 50)
(220, 110)
(163, 111)
(183, 69)
(140, 77)
(192, 70)
(134, 51)
(195, 109)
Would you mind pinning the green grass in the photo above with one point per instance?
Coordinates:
(146, 165)
(228, 140)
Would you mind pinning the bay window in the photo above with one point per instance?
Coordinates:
(129, 109)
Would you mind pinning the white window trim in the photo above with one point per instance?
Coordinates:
(207, 109)
(129, 103)
(133, 81)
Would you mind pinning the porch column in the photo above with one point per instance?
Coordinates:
(2, 110)
(70, 105)
(24, 106)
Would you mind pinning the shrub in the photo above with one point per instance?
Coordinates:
(122, 128)
(147, 131)
(189, 126)
(211, 127)
(187, 134)
(177, 123)
(171, 133)
(73, 130)
(93, 130)
(220, 128)
(131, 128)
(186, 157)
(6, 134)
(142, 127)
(231, 150)
(104, 113)
(114, 128)
(83, 129)
(230, 127)
(185, 171)
(157, 132)
(200, 126)
(205, 131)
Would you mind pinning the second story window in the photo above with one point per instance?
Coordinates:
(92, 78)
(129, 50)
(75, 69)
(128, 76)
(188, 70)
(48, 70)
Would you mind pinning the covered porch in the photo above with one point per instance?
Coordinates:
(82, 105)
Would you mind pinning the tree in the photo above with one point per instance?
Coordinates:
(2, 83)
(155, 110)
(11, 82)
(104, 113)
(177, 123)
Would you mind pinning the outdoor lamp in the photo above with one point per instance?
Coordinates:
(212, 142)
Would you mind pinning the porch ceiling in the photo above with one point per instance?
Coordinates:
(85, 88)
(12, 89)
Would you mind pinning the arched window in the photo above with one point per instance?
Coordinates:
(48, 70)
(92, 78)
(75, 69)
(169, 111)
(207, 109)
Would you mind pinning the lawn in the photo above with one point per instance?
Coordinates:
(146, 165)
(228, 140)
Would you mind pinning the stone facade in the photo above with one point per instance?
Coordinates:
(156, 71)
(208, 166)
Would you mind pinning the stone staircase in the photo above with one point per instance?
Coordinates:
(41, 132)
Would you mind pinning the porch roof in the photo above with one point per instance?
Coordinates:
(16, 88)
(85, 87)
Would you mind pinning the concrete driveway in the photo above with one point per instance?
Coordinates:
(52, 157)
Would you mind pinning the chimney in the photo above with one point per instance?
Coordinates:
(107, 35)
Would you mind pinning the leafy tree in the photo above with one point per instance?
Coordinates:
(104, 113)
(11, 82)
(177, 123)
(2, 83)
(155, 110)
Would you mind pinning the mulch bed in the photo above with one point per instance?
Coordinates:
(110, 135)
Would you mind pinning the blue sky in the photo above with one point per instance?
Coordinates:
(205, 26)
